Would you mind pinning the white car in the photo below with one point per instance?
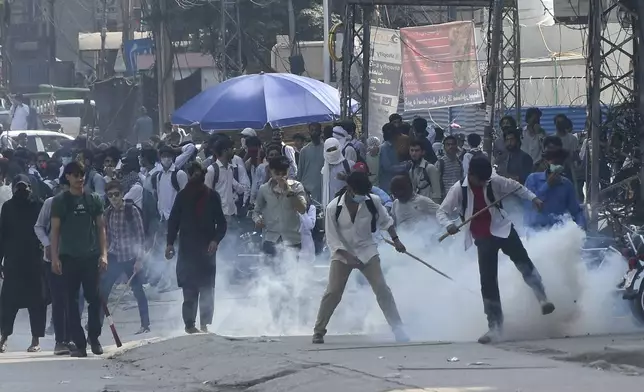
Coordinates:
(42, 141)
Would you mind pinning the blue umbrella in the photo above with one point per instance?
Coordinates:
(252, 101)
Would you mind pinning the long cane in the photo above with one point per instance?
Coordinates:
(110, 321)
(468, 220)
(418, 259)
(426, 264)
(127, 286)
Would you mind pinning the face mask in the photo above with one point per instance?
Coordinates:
(359, 198)
(66, 160)
(166, 162)
(556, 168)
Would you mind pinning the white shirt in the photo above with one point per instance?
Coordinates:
(354, 237)
(166, 192)
(135, 194)
(289, 152)
(501, 224)
(243, 179)
(19, 115)
(226, 186)
(6, 142)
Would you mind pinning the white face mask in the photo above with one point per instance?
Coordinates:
(166, 162)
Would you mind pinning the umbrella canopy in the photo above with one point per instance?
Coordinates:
(252, 101)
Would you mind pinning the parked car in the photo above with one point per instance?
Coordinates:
(42, 141)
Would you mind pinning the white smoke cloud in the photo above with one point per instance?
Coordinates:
(432, 307)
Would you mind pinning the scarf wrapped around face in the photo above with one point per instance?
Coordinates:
(330, 159)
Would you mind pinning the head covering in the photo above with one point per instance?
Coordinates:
(248, 132)
(360, 167)
(330, 159)
(372, 142)
(342, 135)
(21, 179)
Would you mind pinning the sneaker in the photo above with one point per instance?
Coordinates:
(192, 330)
(61, 349)
(96, 347)
(143, 330)
(204, 329)
(78, 353)
(70, 345)
(491, 336)
(547, 307)
(318, 338)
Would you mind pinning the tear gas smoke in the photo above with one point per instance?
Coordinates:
(285, 300)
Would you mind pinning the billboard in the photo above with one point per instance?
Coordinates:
(384, 75)
(440, 66)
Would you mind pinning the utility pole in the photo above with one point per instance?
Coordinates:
(52, 43)
(326, 59)
(165, 80)
(126, 11)
(101, 61)
(230, 40)
(493, 73)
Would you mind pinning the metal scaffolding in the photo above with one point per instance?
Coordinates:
(509, 95)
(356, 51)
(230, 54)
(602, 81)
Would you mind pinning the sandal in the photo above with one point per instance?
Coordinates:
(33, 349)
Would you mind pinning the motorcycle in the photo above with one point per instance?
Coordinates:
(631, 286)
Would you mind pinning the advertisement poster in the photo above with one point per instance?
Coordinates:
(440, 66)
(384, 74)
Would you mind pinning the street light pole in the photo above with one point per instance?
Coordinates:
(101, 61)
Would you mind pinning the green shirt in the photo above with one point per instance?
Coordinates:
(78, 230)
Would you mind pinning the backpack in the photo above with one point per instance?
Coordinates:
(347, 167)
(426, 179)
(173, 180)
(215, 177)
(149, 211)
(370, 206)
(129, 208)
(359, 158)
(489, 193)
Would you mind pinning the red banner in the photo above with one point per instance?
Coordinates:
(440, 66)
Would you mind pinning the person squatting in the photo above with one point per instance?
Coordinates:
(72, 225)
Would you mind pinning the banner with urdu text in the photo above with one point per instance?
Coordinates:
(440, 66)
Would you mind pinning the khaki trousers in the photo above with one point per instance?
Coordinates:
(339, 275)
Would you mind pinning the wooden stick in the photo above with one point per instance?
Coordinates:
(468, 220)
(421, 261)
(127, 286)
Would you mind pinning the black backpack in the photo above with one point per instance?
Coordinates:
(359, 158)
(318, 229)
(215, 177)
(371, 206)
(173, 180)
(489, 193)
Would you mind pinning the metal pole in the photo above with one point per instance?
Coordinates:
(52, 44)
(291, 26)
(594, 93)
(367, 13)
(101, 64)
(638, 67)
(326, 59)
(493, 74)
(224, 44)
